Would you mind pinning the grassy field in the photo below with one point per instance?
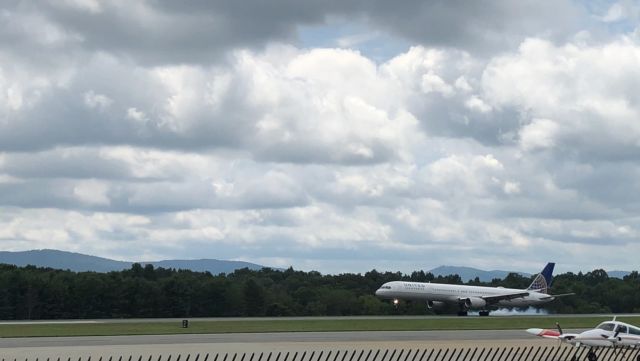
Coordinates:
(304, 325)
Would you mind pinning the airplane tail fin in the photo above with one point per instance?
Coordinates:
(542, 282)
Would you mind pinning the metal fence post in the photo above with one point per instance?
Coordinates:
(374, 356)
(465, 355)
(384, 355)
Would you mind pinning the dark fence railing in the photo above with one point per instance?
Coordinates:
(532, 353)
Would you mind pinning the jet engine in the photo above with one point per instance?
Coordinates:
(434, 304)
(473, 302)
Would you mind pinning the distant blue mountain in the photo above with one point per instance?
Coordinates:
(617, 274)
(82, 262)
(214, 266)
(469, 273)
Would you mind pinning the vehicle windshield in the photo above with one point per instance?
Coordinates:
(606, 326)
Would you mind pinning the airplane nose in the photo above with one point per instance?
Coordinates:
(378, 292)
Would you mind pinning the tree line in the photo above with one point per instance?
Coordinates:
(44, 293)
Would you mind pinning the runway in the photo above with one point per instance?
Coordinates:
(145, 346)
(239, 343)
(249, 338)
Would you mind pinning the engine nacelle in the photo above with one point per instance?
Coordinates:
(434, 304)
(473, 302)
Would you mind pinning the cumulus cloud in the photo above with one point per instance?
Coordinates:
(582, 99)
(282, 107)
(145, 130)
(540, 134)
(163, 32)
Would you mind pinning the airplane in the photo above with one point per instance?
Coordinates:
(472, 297)
(607, 334)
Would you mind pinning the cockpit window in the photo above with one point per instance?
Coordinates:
(386, 287)
(621, 329)
(606, 326)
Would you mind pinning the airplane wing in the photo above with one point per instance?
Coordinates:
(508, 296)
(556, 296)
(553, 334)
(544, 333)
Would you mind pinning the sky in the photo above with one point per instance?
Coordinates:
(338, 136)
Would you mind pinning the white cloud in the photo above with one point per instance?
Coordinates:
(585, 93)
(462, 84)
(92, 192)
(615, 13)
(136, 115)
(477, 104)
(91, 6)
(511, 188)
(517, 128)
(433, 83)
(96, 101)
(540, 134)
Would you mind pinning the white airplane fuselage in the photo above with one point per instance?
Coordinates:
(603, 338)
(606, 334)
(418, 291)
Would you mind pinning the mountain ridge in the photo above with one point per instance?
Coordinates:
(80, 262)
(470, 273)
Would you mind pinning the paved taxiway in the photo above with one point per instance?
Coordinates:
(251, 338)
(156, 345)
(145, 346)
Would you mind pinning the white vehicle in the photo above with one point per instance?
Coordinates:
(472, 297)
(607, 334)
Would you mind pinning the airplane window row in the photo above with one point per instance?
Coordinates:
(411, 285)
(620, 328)
(634, 331)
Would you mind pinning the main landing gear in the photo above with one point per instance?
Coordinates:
(483, 313)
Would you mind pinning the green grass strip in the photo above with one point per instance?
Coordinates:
(299, 325)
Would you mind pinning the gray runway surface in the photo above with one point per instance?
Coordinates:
(288, 337)
(155, 346)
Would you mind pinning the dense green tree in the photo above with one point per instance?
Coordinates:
(144, 291)
(254, 299)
